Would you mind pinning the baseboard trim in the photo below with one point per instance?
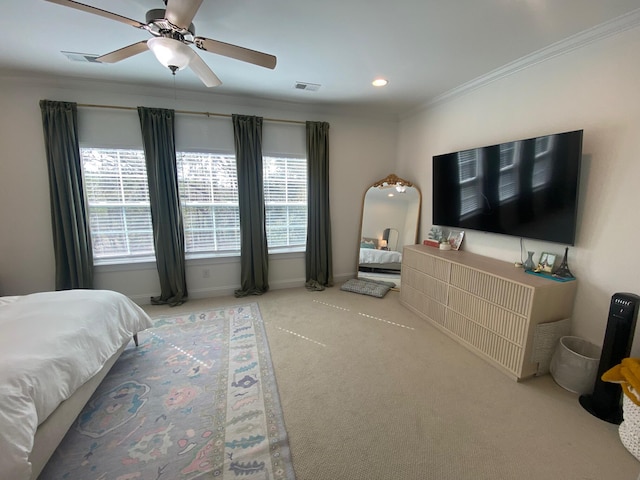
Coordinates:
(229, 289)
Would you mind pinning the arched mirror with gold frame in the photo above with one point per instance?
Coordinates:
(389, 221)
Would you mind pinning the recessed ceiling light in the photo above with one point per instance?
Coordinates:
(379, 82)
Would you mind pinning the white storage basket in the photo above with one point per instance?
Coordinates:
(574, 365)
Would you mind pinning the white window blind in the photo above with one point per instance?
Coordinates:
(120, 216)
(285, 197)
(208, 188)
(115, 182)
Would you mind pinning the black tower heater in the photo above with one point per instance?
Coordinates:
(605, 401)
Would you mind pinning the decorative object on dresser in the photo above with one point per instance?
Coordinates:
(528, 263)
(455, 238)
(546, 262)
(484, 304)
(563, 270)
(436, 234)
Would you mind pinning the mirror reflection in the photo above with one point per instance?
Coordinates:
(390, 215)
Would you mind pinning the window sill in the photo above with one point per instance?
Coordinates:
(149, 263)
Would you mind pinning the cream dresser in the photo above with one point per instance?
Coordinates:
(487, 305)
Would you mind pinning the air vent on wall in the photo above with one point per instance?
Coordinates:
(312, 87)
(81, 57)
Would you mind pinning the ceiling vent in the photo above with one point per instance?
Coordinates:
(81, 57)
(312, 87)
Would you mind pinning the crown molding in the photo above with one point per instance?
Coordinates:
(91, 90)
(595, 34)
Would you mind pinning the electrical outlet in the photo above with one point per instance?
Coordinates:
(206, 273)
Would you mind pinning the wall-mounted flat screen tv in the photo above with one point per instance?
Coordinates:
(526, 188)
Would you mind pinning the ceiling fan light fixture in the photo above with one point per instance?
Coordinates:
(173, 36)
(171, 53)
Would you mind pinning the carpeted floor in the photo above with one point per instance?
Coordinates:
(196, 399)
(370, 391)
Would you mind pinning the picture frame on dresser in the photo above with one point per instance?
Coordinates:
(546, 262)
(455, 238)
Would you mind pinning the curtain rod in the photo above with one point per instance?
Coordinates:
(189, 112)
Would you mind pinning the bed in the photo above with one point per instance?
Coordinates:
(373, 259)
(55, 349)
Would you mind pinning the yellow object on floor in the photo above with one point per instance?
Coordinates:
(627, 374)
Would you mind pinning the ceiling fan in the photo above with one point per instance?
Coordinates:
(173, 33)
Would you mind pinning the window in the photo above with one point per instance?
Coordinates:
(209, 196)
(120, 214)
(115, 183)
(285, 198)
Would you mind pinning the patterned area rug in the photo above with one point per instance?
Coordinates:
(197, 398)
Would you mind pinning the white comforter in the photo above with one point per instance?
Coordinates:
(50, 344)
(372, 255)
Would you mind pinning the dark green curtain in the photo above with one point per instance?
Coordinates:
(71, 235)
(254, 261)
(168, 236)
(319, 259)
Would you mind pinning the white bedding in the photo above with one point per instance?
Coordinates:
(371, 255)
(50, 344)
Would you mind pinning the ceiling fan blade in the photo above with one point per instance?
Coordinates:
(125, 52)
(234, 51)
(203, 71)
(181, 12)
(98, 11)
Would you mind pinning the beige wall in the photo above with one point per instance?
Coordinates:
(595, 88)
(361, 151)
